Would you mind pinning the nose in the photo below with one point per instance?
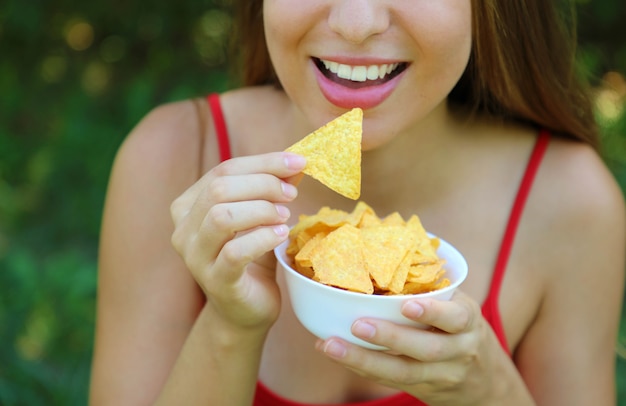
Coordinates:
(357, 20)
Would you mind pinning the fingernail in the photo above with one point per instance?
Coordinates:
(335, 349)
(283, 212)
(281, 230)
(289, 190)
(295, 161)
(412, 309)
(363, 329)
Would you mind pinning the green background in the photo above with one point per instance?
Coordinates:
(75, 77)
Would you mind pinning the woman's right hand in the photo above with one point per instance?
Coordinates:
(226, 226)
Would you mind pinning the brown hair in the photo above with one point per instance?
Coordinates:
(248, 45)
(522, 66)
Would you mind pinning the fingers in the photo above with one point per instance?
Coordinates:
(295, 179)
(225, 220)
(243, 249)
(418, 344)
(231, 180)
(236, 196)
(453, 339)
(279, 164)
(452, 316)
(388, 368)
(233, 204)
(453, 331)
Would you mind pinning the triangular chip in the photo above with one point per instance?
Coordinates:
(424, 245)
(303, 257)
(333, 153)
(338, 261)
(426, 273)
(331, 219)
(399, 277)
(394, 219)
(384, 249)
(361, 211)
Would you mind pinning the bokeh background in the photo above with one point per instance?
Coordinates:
(75, 77)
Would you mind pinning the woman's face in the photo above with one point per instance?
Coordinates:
(396, 59)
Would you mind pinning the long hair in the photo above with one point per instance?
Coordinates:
(253, 64)
(522, 66)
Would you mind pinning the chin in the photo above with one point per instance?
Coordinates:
(370, 143)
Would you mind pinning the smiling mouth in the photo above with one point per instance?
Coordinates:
(356, 77)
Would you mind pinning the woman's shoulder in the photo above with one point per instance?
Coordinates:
(576, 179)
(181, 135)
(254, 98)
(256, 118)
(167, 131)
(569, 257)
(577, 202)
(161, 154)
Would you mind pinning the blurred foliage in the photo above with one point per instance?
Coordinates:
(75, 77)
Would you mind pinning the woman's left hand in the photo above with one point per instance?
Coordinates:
(456, 361)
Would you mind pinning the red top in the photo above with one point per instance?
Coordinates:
(490, 310)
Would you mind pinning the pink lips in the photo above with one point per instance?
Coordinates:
(365, 97)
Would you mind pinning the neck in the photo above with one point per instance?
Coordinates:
(413, 163)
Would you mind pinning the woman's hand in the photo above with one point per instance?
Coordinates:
(227, 223)
(455, 362)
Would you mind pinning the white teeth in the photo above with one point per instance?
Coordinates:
(372, 72)
(344, 71)
(360, 73)
(382, 71)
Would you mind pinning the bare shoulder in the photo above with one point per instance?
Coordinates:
(166, 136)
(254, 101)
(157, 162)
(257, 118)
(577, 201)
(573, 234)
(180, 136)
(577, 188)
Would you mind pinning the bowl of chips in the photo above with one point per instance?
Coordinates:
(342, 266)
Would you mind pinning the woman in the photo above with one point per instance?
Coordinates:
(473, 119)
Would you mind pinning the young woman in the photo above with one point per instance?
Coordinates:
(474, 119)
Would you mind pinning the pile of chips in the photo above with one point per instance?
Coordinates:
(361, 252)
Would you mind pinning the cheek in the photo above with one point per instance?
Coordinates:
(284, 25)
(443, 30)
(277, 39)
(286, 21)
(454, 48)
(445, 43)
(290, 26)
(272, 18)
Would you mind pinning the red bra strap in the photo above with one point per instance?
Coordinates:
(509, 235)
(220, 126)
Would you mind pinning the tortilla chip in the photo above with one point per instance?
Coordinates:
(338, 261)
(303, 257)
(384, 249)
(333, 153)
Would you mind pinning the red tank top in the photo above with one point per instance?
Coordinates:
(490, 310)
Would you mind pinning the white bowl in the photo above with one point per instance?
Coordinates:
(327, 311)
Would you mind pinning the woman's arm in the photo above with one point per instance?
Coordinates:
(147, 300)
(568, 354)
(157, 336)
